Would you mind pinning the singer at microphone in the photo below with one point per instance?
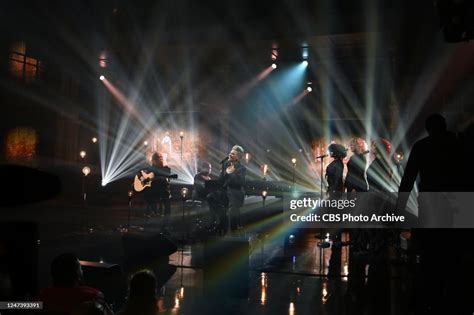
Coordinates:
(233, 178)
(224, 160)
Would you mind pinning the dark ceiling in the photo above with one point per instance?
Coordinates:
(187, 20)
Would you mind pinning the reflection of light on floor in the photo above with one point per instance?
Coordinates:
(366, 273)
(178, 296)
(176, 303)
(324, 293)
(291, 309)
(263, 296)
(345, 272)
(263, 282)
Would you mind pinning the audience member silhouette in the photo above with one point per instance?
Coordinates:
(67, 291)
(141, 295)
(431, 160)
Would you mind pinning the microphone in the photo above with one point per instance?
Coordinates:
(224, 160)
(321, 156)
(365, 152)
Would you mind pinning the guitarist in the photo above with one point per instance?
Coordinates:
(159, 192)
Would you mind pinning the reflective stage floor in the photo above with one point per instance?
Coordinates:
(263, 268)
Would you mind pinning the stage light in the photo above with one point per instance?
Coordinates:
(86, 170)
(102, 78)
(247, 157)
(264, 197)
(304, 51)
(145, 143)
(309, 89)
(274, 55)
(274, 65)
(291, 239)
(305, 63)
(293, 160)
(398, 156)
(94, 140)
(82, 154)
(265, 170)
(184, 192)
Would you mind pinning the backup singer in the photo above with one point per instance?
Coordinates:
(334, 177)
(334, 171)
(379, 173)
(356, 180)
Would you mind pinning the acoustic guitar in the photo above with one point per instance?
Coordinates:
(144, 180)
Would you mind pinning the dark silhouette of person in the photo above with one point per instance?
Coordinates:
(430, 159)
(141, 297)
(356, 182)
(67, 291)
(199, 190)
(356, 177)
(369, 246)
(335, 170)
(334, 177)
(379, 240)
(233, 179)
(159, 193)
(379, 172)
(229, 198)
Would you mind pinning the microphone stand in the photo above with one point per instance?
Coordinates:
(321, 157)
(130, 195)
(321, 248)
